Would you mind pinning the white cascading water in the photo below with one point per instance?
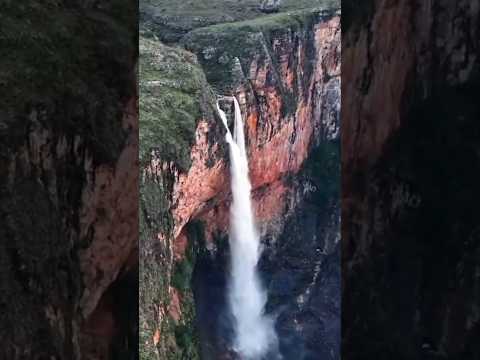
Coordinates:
(254, 331)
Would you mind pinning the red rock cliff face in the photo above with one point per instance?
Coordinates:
(408, 71)
(388, 69)
(278, 143)
(285, 73)
(289, 92)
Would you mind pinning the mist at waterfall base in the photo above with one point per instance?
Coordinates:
(255, 335)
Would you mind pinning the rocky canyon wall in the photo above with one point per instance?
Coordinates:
(409, 168)
(68, 160)
(285, 71)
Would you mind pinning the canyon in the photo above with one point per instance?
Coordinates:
(73, 157)
(285, 71)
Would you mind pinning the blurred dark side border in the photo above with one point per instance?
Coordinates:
(68, 180)
(410, 175)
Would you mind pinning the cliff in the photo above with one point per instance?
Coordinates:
(171, 21)
(285, 71)
(409, 168)
(68, 153)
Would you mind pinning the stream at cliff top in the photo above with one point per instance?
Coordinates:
(255, 335)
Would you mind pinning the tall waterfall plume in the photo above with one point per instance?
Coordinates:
(254, 331)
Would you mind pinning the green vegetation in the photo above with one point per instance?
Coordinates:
(153, 280)
(81, 58)
(182, 274)
(179, 340)
(173, 96)
(195, 13)
(225, 49)
(243, 39)
(170, 20)
(186, 338)
(155, 266)
(267, 23)
(238, 10)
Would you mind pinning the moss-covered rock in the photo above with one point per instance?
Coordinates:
(185, 331)
(226, 51)
(170, 20)
(158, 275)
(155, 261)
(173, 96)
(76, 56)
(66, 76)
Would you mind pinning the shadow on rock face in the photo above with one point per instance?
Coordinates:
(425, 246)
(111, 331)
(214, 322)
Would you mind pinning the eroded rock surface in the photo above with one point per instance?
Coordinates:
(68, 160)
(285, 71)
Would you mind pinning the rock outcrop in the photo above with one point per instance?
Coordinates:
(68, 160)
(409, 165)
(270, 6)
(285, 71)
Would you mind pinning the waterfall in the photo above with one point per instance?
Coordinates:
(254, 331)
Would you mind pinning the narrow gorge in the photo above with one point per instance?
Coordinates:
(284, 69)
